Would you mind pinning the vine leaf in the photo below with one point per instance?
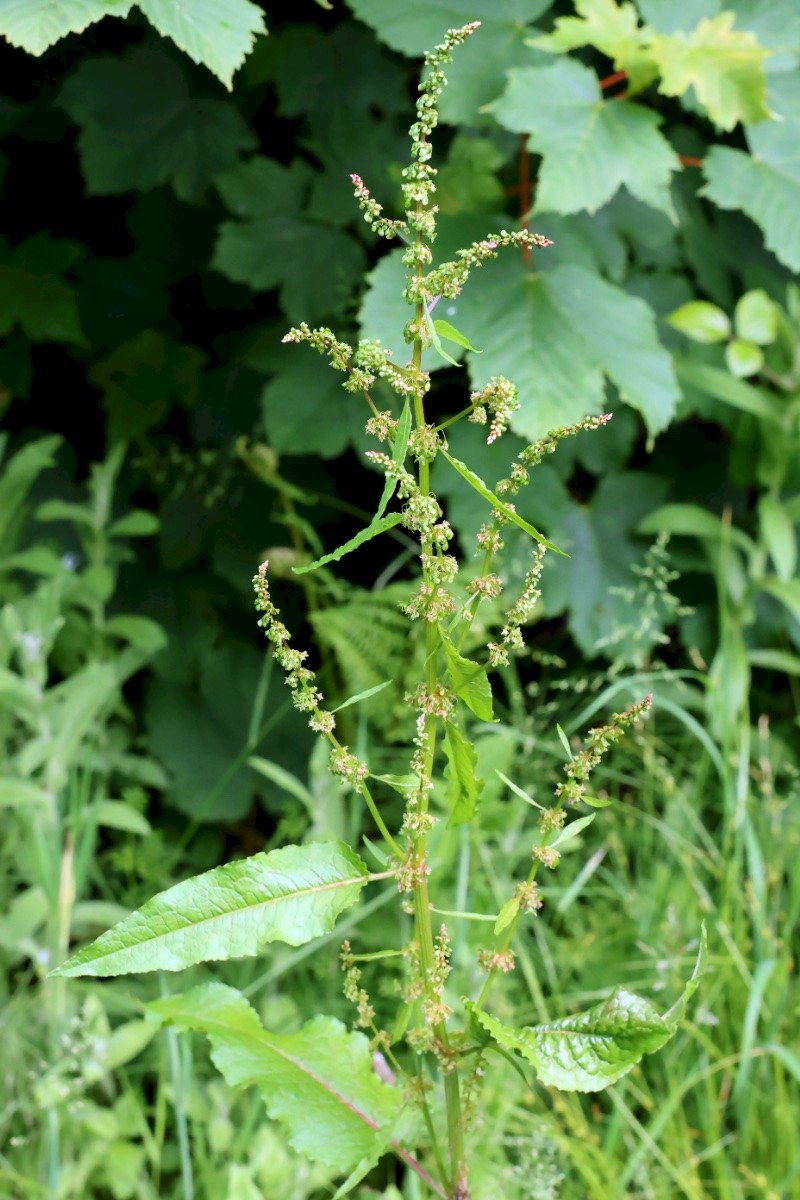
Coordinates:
(272, 245)
(140, 127)
(765, 184)
(290, 895)
(591, 1050)
(318, 1082)
(556, 334)
(219, 34)
(590, 147)
(216, 33)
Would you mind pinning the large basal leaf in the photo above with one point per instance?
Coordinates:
(289, 895)
(141, 128)
(319, 1082)
(765, 184)
(216, 33)
(591, 1050)
(590, 147)
(556, 334)
(272, 245)
(477, 73)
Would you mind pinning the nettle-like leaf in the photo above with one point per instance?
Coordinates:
(216, 33)
(557, 334)
(590, 147)
(591, 1050)
(725, 66)
(766, 183)
(477, 74)
(141, 128)
(318, 1082)
(289, 895)
(464, 786)
(33, 292)
(272, 245)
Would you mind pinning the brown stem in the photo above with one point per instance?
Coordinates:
(615, 77)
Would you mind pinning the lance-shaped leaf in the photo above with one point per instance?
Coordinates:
(591, 1050)
(464, 786)
(318, 1082)
(480, 487)
(289, 895)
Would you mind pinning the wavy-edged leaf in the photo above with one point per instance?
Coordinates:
(464, 786)
(290, 895)
(318, 1082)
(591, 1050)
(33, 25)
(477, 483)
(470, 682)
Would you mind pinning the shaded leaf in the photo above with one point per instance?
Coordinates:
(33, 292)
(290, 895)
(318, 1082)
(272, 245)
(140, 127)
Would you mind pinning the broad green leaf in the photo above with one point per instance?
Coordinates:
(216, 33)
(590, 147)
(724, 66)
(556, 334)
(272, 245)
(591, 1050)
(778, 531)
(290, 895)
(34, 25)
(33, 292)
(139, 522)
(614, 30)
(743, 358)
(318, 1082)
(18, 472)
(464, 787)
(755, 318)
(477, 73)
(507, 914)
(305, 410)
(701, 321)
(21, 793)
(765, 184)
(480, 487)
(470, 682)
(365, 535)
(116, 814)
(141, 128)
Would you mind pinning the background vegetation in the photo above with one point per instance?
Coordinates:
(160, 234)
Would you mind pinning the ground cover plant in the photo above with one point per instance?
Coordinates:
(144, 311)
